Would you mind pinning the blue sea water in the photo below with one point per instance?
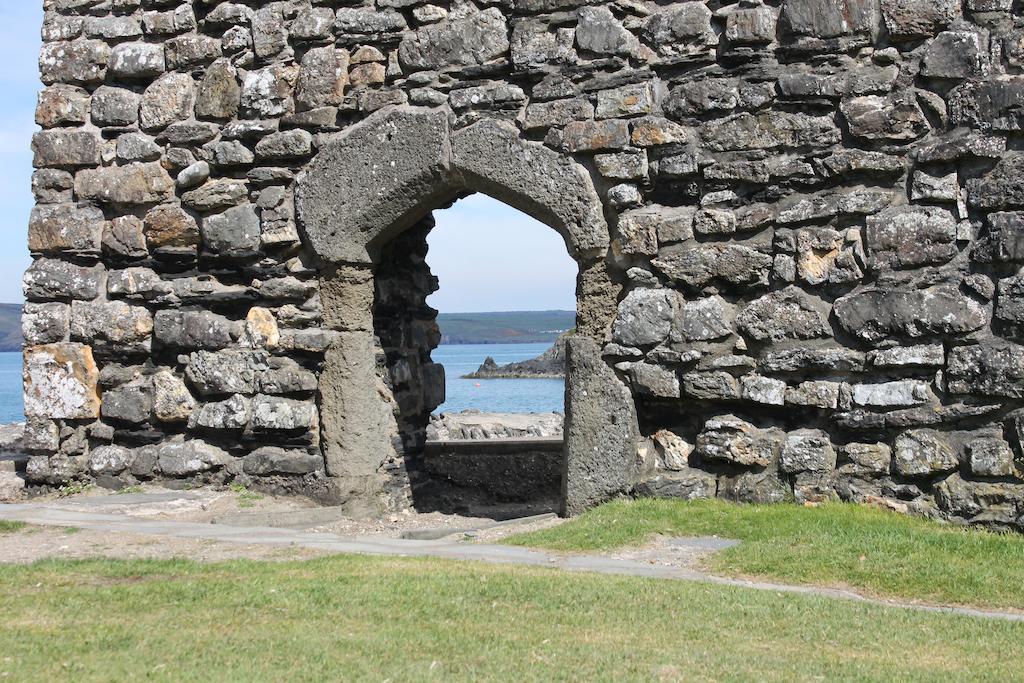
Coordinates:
(496, 395)
(488, 395)
(12, 409)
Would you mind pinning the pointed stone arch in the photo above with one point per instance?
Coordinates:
(382, 175)
(379, 178)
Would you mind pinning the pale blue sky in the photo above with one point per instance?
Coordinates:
(488, 256)
(20, 21)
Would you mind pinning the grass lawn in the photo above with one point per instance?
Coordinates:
(360, 618)
(874, 550)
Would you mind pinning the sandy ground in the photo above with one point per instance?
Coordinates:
(208, 506)
(42, 543)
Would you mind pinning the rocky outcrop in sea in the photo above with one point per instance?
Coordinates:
(548, 365)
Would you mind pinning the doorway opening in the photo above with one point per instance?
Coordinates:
(472, 308)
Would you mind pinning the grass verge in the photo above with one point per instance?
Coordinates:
(361, 618)
(874, 550)
(8, 527)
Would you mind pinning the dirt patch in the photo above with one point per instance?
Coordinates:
(45, 543)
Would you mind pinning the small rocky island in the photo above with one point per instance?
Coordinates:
(548, 365)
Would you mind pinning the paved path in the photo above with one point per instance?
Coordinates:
(59, 515)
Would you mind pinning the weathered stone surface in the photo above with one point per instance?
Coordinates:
(185, 458)
(61, 105)
(137, 60)
(747, 132)
(1001, 186)
(888, 394)
(759, 488)
(956, 54)
(45, 323)
(129, 185)
(990, 457)
(909, 237)
(600, 32)
(786, 314)
(170, 226)
(808, 450)
(880, 118)
(235, 232)
(219, 94)
(61, 382)
(598, 457)
(65, 149)
(322, 79)
(1006, 230)
(270, 460)
(814, 394)
(74, 228)
(874, 314)
(276, 413)
(232, 371)
(285, 145)
(126, 327)
(232, 413)
(918, 18)
(990, 369)
(172, 401)
(681, 28)
(81, 62)
(829, 18)
(193, 330)
(268, 91)
(703, 320)
(689, 484)
(698, 265)
(217, 194)
(109, 460)
(645, 317)
(732, 440)
(993, 502)
(130, 403)
(921, 452)
(593, 136)
(170, 98)
(534, 45)
(478, 38)
(653, 380)
(711, 386)
(53, 279)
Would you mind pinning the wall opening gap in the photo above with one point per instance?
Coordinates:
(475, 281)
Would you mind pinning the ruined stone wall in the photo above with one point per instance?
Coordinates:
(812, 210)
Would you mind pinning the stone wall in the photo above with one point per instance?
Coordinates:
(808, 213)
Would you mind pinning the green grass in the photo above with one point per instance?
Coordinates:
(359, 618)
(245, 497)
(872, 550)
(7, 527)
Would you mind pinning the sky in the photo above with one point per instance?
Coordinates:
(20, 21)
(488, 256)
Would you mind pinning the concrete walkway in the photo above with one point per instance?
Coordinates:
(58, 515)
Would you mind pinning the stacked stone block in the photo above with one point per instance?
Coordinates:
(816, 210)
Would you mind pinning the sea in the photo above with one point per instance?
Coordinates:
(487, 395)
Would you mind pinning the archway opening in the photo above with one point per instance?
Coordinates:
(472, 308)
